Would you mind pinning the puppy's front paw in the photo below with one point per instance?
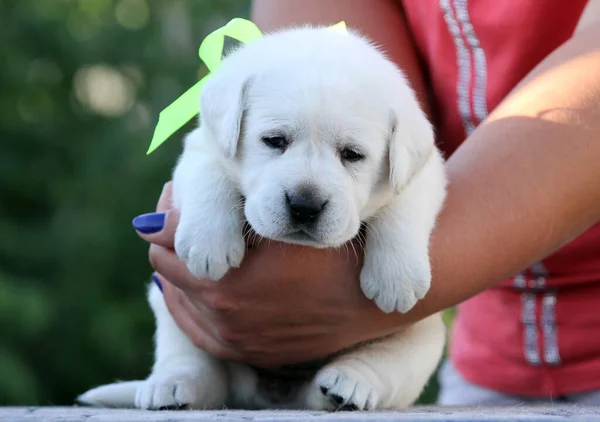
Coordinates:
(173, 392)
(345, 389)
(394, 284)
(210, 248)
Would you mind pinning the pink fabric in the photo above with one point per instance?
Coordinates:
(488, 344)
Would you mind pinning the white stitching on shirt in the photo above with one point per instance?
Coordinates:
(463, 61)
(548, 322)
(479, 97)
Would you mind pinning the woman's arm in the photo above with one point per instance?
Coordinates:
(525, 182)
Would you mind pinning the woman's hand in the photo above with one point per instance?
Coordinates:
(285, 304)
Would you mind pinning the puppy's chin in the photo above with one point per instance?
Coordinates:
(295, 238)
(306, 238)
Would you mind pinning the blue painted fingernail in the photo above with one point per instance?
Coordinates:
(157, 281)
(149, 223)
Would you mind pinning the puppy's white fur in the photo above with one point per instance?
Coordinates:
(321, 93)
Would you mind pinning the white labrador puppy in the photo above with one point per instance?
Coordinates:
(307, 134)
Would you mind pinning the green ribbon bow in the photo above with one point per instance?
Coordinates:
(185, 107)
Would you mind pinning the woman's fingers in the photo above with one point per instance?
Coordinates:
(159, 227)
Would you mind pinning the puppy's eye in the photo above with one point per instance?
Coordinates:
(278, 142)
(351, 155)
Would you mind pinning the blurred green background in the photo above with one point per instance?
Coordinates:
(81, 86)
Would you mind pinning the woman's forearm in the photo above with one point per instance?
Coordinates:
(526, 182)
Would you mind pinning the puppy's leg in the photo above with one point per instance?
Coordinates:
(397, 272)
(183, 375)
(209, 237)
(387, 374)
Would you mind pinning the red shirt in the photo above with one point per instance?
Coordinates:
(537, 334)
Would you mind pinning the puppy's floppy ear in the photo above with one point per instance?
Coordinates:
(411, 144)
(222, 105)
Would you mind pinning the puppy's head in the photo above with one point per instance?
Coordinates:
(323, 129)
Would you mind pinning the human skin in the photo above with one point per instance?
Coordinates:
(525, 183)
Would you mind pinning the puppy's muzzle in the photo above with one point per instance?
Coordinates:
(304, 207)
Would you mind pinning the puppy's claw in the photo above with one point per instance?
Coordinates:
(345, 391)
(338, 399)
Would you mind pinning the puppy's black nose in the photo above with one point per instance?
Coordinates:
(304, 208)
